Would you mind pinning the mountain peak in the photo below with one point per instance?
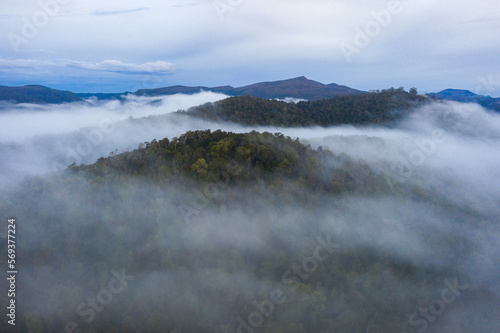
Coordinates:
(461, 93)
(299, 87)
(36, 94)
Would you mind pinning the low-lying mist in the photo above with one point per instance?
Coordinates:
(422, 256)
(36, 139)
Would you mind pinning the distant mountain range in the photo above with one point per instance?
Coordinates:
(467, 96)
(299, 88)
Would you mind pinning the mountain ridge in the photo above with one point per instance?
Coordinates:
(467, 96)
(37, 94)
(299, 87)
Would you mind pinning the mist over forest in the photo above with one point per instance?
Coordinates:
(133, 217)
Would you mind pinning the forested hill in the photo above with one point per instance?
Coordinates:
(205, 156)
(371, 108)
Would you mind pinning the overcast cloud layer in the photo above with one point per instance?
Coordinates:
(116, 46)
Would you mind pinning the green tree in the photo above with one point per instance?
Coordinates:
(200, 167)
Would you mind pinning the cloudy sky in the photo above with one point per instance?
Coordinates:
(125, 45)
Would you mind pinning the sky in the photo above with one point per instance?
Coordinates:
(126, 45)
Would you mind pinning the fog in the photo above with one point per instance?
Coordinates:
(36, 139)
(447, 153)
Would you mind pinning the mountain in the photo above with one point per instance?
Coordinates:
(299, 87)
(468, 97)
(36, 94)
(456, 94)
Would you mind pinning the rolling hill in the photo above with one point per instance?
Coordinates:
(369, 108)
(36, 94)
(466, 96)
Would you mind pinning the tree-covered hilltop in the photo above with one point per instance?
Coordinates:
(370, 108)
(236, 158)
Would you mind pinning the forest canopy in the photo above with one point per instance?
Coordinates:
(377, 107)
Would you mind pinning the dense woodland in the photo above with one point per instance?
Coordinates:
(370, 108)
(181, 216)
(236, 159)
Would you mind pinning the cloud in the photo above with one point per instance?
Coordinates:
(118, 12)
(291, 38)
(39, 137)
(15, 64)
(185, 5)
(110, 66)
(116, 66)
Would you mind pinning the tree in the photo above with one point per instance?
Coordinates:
(200, 167)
